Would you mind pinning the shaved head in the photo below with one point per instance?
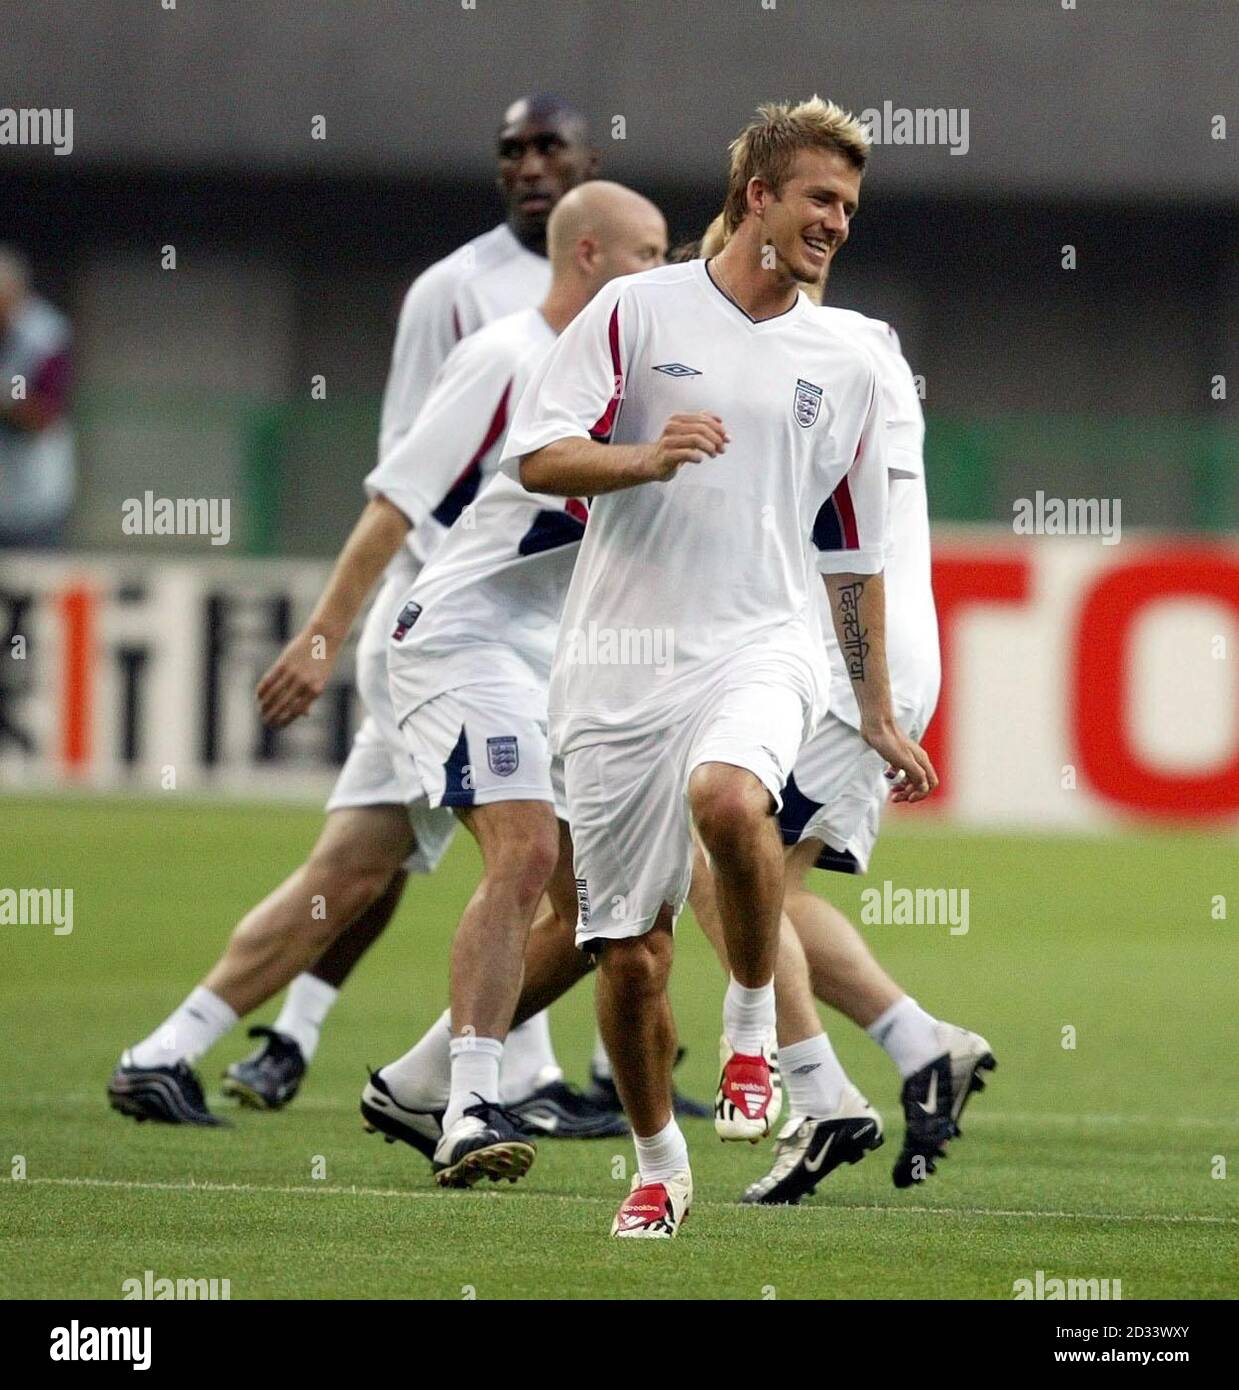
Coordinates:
(598, 230)
(604, 211)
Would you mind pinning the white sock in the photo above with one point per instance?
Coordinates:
(475, 1075)
(422, 1078)
(748, 1017)
(528, 1060)
(661, 1155)
(306, 1005)
(185, 1035)
(908, 1034)
(600, 1063)
(813, 1077)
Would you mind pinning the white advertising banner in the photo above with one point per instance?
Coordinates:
(1085, 684)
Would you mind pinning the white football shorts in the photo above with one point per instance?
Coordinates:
(378, 770)
(484, 743)
(837, 793)
(628, 802)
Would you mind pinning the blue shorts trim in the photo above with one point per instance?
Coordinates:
(456, 791)
(795, 814)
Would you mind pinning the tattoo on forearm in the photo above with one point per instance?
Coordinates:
(853, 635)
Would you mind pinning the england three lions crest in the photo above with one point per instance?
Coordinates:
(807, 403)
(502, 755)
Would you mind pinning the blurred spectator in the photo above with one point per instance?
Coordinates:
(37, 471)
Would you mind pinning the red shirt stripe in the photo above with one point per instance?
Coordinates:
(498, 422)
(603, 430)
(842, 498)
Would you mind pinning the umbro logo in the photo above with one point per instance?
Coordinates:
(677, 369)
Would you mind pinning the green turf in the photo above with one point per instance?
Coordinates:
(1092, 1162)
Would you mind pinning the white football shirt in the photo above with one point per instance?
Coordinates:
(485, 279)
(718, 565)
(912, 649)
(488, 603)
(438, 467)
(487, 608)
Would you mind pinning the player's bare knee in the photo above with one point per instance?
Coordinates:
(638, 966)
(524, 866)
(542, 853)
(345, 880)
(728, 820)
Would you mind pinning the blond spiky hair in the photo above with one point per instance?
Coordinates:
(766, 147)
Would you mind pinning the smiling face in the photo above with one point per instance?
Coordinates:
(808, 219)
(542, 154)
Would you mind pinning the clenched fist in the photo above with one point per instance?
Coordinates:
(685, 439)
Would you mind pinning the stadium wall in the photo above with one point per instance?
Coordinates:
(1085, 684)
(410, 88)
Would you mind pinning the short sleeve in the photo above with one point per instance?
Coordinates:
(901, 408)
(850, 528)
(577, 390)
(462, 419)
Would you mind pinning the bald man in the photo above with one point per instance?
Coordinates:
(542, 149)
(468, 666)
(423, 488)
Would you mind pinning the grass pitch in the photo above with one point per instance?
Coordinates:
(1103, 1160)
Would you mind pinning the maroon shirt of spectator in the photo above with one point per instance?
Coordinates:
(37, 471)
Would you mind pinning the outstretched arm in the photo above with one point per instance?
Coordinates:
(299, 675)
